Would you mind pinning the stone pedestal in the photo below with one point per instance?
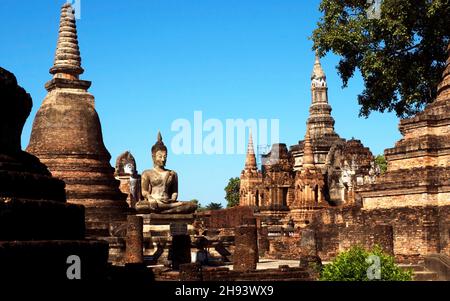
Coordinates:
(167, 219)
(157, 232)
(158, 225)
(124, 187)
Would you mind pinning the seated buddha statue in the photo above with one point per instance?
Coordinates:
(160, 186)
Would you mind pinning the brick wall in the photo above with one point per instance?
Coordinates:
(381, 235)
(284, 248)
(327, 239)
(225, 274)
(444, 230)
(226, 218)
(410, 233)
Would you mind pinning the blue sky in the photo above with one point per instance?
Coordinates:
(152, 62)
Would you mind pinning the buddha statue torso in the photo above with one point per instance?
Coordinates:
(160, 186)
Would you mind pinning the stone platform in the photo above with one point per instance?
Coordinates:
(158, 235)
(166, 219)
(158, 225)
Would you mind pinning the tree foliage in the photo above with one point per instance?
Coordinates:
(199, 205)
(232, 192)
(401, 55)
(214, 206)
(353, 265)
(380, 160)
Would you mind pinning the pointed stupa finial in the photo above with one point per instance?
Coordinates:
(317, 72)
(317, 56)
(320, 122)
(308, 156)
(250, 149)
(67, 62)
(250, 160)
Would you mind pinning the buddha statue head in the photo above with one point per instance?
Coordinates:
(159, 153)
(129, 169)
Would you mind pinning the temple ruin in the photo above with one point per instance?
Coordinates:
(306, 203)
(322, 171)
(332, 187)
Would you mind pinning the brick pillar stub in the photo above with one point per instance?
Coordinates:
(134, 240)
(245, 256)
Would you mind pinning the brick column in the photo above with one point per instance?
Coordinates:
(134, 241)
(180, 252)
(308, 255)
(263, 241)
(245, 256)
(252, 221)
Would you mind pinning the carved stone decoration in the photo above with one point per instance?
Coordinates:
(345, 164)
(122, 161)
(135, 187)
(130, 180)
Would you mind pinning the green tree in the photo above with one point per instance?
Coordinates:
(380, 160)
(199, 206)
(214, 206)
(356, 263)
(401, 55)
(232, 192)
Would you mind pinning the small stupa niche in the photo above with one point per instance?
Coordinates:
(130, 180)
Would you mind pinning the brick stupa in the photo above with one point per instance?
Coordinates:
(250, 178)
(419, 165)
(310, 186)
(320, 123)
(67, 137)
(38, 229)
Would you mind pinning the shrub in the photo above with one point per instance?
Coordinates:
(356, 263)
